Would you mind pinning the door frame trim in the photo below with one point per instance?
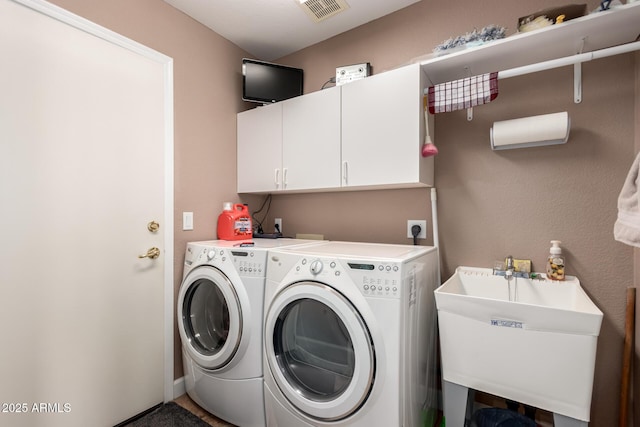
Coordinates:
(112, 37)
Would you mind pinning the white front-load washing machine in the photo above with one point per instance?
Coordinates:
(220, 314)
(350, 334)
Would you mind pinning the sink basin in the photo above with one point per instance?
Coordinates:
(533, 341)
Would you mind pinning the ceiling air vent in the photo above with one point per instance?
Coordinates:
(319, 10)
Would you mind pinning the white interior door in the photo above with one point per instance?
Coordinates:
(83, 132)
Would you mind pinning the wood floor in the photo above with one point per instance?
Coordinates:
(186, 402)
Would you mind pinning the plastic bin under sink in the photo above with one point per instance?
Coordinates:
(538, 348)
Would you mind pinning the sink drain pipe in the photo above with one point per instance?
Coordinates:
(434, 220)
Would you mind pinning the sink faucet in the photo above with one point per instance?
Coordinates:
(508, 274)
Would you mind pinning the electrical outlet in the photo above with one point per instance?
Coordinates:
(423, 228)
(278, 223)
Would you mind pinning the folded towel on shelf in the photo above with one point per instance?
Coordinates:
(627, 226)
(463, 93)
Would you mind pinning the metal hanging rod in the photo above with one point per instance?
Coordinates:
(569, 60)
(575, 60)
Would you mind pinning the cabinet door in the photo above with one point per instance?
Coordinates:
(381, 128)
(311, 141)
(260, 149)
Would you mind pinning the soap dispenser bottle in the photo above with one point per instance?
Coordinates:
(555, 262)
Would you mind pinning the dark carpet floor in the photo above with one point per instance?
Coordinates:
(168, 415)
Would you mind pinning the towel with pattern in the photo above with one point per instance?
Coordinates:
(463, 93)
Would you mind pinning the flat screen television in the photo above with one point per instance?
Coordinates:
(266, 83)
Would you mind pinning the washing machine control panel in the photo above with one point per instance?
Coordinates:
(246, 261)
(249, 263)
(372, 278)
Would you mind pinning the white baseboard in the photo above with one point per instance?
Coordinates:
(178, 387)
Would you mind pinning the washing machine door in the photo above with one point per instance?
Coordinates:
(319, 351)
(209, 317)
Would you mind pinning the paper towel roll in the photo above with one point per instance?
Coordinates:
(534, 131)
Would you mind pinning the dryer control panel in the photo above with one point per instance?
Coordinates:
(377, 279)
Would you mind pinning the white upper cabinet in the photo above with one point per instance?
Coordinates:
(259, 149)
(311, 141)
(362, 135)
(293, 145)
(383, 131)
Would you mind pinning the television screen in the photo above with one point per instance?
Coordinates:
(265, 82)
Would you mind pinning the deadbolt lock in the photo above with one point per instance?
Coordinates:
(153, 226)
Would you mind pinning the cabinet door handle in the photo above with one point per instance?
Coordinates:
(276, 178)
(345, 173)
(284, 178)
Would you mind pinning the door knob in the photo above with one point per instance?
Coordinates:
(153, 226)
(152, 253)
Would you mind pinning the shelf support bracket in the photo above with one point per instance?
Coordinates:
(577, 77)
(470, 109)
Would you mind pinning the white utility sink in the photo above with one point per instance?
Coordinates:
(529, 340)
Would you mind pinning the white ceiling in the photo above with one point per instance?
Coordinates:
(270, 29)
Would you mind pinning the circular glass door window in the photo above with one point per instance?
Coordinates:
(319, 350)
(206, 317)
(211, 317)
(314, 350)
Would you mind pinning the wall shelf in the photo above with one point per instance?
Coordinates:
(585, 34)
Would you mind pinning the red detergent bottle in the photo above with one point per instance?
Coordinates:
(234, 223)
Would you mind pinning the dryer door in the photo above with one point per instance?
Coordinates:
(209, 317)
(319, 351)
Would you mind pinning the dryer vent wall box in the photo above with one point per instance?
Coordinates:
(349, 73)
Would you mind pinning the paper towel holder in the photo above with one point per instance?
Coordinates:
(534, 131)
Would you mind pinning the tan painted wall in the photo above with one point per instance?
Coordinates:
(490, 204)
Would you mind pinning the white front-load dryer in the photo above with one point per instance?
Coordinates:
(350, 335)
(220, 314)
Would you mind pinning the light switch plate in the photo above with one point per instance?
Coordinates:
(187, 221)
